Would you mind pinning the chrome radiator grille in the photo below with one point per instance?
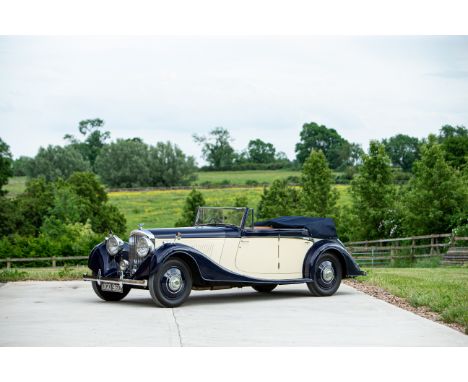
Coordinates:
(133, 258)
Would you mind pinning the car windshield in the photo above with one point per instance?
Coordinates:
(231, 216)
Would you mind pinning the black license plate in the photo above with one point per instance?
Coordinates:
(109, 287)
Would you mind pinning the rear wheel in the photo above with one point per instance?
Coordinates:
(265, 288)
(327, 275)
(171, 285)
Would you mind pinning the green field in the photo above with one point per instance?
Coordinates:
(162, 208)
(443, 290)
(15, 186)
(242, 177)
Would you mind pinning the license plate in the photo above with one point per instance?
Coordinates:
(109, 287)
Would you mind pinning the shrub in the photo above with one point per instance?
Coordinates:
(251, 182)
(241, 201)
(194, 200)
(279, 199)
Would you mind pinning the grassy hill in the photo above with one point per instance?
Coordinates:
(162, 208)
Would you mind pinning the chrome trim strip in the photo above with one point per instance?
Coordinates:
(99, 280)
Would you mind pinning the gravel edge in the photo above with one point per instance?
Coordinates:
(382, 294)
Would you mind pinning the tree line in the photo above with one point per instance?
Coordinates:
(134, 163)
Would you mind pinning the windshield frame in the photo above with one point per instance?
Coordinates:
(242, 222)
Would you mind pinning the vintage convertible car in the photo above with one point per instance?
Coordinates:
(224, 249)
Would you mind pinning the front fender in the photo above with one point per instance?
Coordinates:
(351, 268)
(99, 259)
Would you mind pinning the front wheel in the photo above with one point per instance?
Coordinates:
(171, 285)
(327, 275)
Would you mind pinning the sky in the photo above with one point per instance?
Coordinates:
(168, 88)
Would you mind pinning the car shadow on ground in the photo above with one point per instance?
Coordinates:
(231, 297)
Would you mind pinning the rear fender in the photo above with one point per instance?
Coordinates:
(350, 267)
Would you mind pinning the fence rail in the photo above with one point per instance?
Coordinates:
(387, 251)
(52, 259)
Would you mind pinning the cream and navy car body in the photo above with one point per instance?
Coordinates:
(224, 249)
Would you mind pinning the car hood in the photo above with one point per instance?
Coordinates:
(194, 232)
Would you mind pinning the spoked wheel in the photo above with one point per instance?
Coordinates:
(327, 275)
(265, 288)
(171, 285)
(110, 296)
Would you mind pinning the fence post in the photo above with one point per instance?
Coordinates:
(372, 257)
(413, 244)
(54, 263)
(432, 245)
(8, 264)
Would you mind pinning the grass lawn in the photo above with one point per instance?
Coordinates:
(443, 290)
(162, 208)
(43, 274)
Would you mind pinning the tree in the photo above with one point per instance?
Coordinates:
(9, 216)
(83, 199)
(95, 139)
(86, 185)
(318, 137)
(194, 200)
(261, 152)
(373, 195)
(23, 166)
(436, 198)
(403, 150)
(216, 148)
(279, 199)
(124, 163)
(56, 162)
(454, 141)
(5, 165)
(318, 197)
(34, 205)
(169, 166)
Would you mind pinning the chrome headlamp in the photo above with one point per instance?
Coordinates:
(113, 245)
(143, 246)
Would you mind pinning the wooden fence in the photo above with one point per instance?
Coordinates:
(52, 260)
(387, 251)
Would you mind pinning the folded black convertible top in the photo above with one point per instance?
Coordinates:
(322, 228)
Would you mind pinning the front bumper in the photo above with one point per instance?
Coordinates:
(120, 281)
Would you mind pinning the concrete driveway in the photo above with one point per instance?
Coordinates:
(70, 314)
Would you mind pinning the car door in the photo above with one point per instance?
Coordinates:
(292, 251)
(257, 254)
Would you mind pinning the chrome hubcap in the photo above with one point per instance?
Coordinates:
(174, 280)
(328, 273)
